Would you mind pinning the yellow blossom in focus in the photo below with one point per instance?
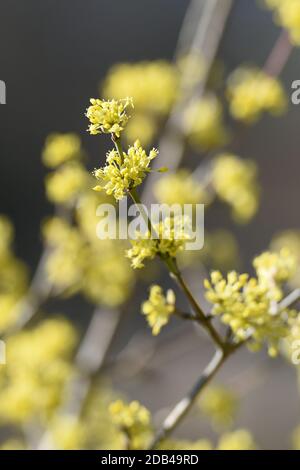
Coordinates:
(158, 308)
(66, 183)
(61, 148)
(287, 15)
(134, 420)
(152, 85)
(125, 172)
(169, 239)
(237, 440)
(203, 123)
(251, 92)
(108, 117)
(219, 404)
(247, 306)
(235, 182)
(179, 188)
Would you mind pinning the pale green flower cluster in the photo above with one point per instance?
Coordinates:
(108, 117)
(123, 173)
(158, 308)
(249, 305)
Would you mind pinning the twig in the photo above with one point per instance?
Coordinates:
(279, 55)
(184, 405)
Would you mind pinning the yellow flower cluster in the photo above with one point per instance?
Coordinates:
(291, 240)
(65, 184)
(158, 308)
(152, 85)
(179, 188)
(219, 404)
(133, 420)
(251, 92)
(287, 14)
(240, 439)
(13, 277)
(169, 239)
(274, 269)
(203, 123)
(237, 440)
(79, 261)
(38, 364)
(61, 148)
(234, 181)
(108, 117)
(247, 304)
(122, 173)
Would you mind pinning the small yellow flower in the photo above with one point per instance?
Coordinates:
(179, 188)
(168, 240)
(251, 92)
(249, 305)
(134, 420)
(203, 122)
(287, 15)
(108, 117)
(158, 308)
(237, 440)
(235, 182)
(122, 173)
(66, 183)
(61, 148)
(219, 404)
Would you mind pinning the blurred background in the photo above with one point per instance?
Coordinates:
(53, 56)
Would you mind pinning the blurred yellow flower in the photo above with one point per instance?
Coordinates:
(61, 148)
(237, 440)
(251, 92)
(220, 404)
(287, 15)
(66, 183)
(158, 308)
(179, 188)
(203, 123)
(235, 182)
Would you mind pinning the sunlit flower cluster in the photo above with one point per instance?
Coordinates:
(203, 123)
(287, 15)
(158, 308)
(235, 182)
(247, 304)
(37, 367)
(133, 420)
(108, 117)
(179, 188)
(124, 172)
(169, 239)
(61, 148)
(251, 92)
